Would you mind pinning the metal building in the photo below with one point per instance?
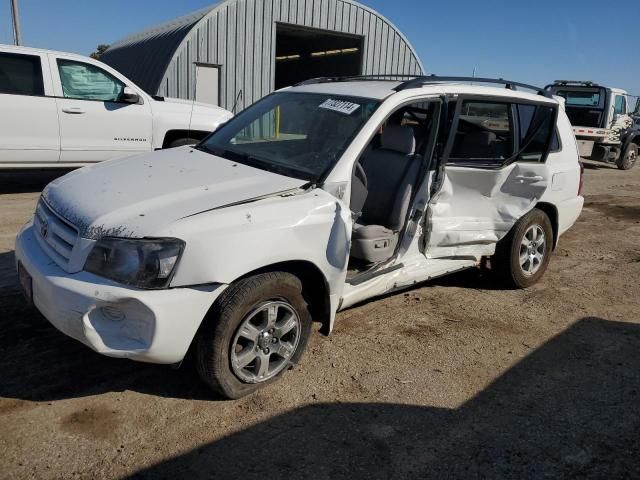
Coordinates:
(237, 51)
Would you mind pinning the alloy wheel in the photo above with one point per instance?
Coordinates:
(265, 342)
(532, 250)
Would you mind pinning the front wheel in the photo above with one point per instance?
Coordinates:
(258, 329)
(523, 255)
(628, 158)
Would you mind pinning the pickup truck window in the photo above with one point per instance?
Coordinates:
(21, 74)
(83, 81)
(620, 105)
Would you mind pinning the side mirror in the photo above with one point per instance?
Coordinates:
(129, 96)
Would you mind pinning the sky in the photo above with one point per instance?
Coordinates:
(533, 42)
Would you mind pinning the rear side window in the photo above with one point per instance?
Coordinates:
(21, 74)
(484, 133)
(556, 146)
(83, 81)
(537, 130)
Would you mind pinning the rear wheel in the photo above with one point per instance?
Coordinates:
(257, 331)
(523, 255)
(628, 158)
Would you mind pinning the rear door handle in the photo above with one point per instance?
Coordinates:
(73, 110)
(533, 179)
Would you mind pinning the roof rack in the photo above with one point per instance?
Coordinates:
(417, 81)
(356, 78)
(434, 79)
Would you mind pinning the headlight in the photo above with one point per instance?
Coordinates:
(142, 263)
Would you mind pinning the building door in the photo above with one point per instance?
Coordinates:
(208, 83)
(303, 53)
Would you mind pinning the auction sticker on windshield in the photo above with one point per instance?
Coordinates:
(340, 106)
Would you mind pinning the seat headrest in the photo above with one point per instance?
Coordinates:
(399, 138)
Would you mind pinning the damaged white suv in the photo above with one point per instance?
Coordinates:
(316, 198)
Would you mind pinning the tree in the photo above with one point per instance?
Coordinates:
(99, 51)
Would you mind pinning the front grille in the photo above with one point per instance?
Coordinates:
(56, 235)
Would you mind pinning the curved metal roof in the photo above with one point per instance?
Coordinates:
(239, 36)
(145, 56)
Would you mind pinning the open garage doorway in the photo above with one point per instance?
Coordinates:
(303, 53)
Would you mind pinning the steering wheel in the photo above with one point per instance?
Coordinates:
(363, 176)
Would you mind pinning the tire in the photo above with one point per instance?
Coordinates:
(223, 341)
(628, 158)
(524, 239)
(181, 142)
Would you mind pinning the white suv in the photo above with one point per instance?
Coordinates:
(315, 198)
(65, 110)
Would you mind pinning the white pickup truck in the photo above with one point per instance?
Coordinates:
(66, 110)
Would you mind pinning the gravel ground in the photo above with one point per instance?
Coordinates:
(454, 379)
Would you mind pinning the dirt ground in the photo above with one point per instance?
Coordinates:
(454, 379)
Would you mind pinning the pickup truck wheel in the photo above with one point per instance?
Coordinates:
(628, 159)
(258, 329)
(523, 255)
(181, 142)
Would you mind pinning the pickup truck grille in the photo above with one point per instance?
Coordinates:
(56, 236)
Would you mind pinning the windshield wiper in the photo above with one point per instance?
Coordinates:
(253, 161)
(206, 149)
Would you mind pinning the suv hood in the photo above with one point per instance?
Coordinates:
(137, 196)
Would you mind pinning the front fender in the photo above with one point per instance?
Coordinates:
(224, 245)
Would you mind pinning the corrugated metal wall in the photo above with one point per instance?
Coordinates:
(240, 35)
(144, 57)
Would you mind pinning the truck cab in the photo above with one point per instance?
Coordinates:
(601, 121)
(65, 110)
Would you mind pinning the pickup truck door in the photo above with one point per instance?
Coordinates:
(95, 125)
(29, 130)
(491, 172)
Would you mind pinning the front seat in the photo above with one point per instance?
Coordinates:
(392, 172)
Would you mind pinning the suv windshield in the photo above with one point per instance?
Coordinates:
(300, 135)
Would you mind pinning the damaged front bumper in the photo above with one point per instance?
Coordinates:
(149, 326)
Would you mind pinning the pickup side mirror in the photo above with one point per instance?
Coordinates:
(129, 96)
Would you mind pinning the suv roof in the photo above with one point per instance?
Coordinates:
(383, 86)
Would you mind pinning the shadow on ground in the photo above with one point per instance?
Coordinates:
(568, 410)
(26, 181)
(8, 274)
(39, 363)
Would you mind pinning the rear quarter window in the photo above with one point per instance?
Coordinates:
(537, 131)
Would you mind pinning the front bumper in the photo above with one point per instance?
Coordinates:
(149, 326)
